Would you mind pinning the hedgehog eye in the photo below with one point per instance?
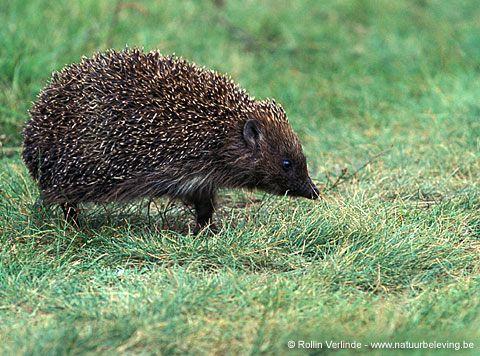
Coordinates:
(286, 164)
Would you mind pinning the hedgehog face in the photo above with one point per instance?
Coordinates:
(278, 163)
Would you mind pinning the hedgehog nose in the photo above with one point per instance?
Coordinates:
(314, 192)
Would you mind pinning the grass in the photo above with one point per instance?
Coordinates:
(392, 252)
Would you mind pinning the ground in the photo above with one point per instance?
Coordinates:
(385, 98)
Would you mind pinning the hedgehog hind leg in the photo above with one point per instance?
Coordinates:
(204, 207)
(40, 207)
(39, 204)
(70, 212)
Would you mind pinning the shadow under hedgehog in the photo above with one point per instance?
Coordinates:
(129, 124)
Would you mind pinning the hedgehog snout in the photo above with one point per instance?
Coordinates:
(315, 192)
(306, 190)
(309, 190)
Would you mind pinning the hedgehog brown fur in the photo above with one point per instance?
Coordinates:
(125, 125)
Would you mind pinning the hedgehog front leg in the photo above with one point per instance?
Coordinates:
(70, 211)
(204, 208)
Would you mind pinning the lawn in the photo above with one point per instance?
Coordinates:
(385, 96)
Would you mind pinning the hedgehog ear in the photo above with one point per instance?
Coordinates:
(251, 133)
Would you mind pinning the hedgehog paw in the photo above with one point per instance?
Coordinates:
(210, 228)
(70, 211)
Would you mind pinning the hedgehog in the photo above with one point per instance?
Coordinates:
(130, 124)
